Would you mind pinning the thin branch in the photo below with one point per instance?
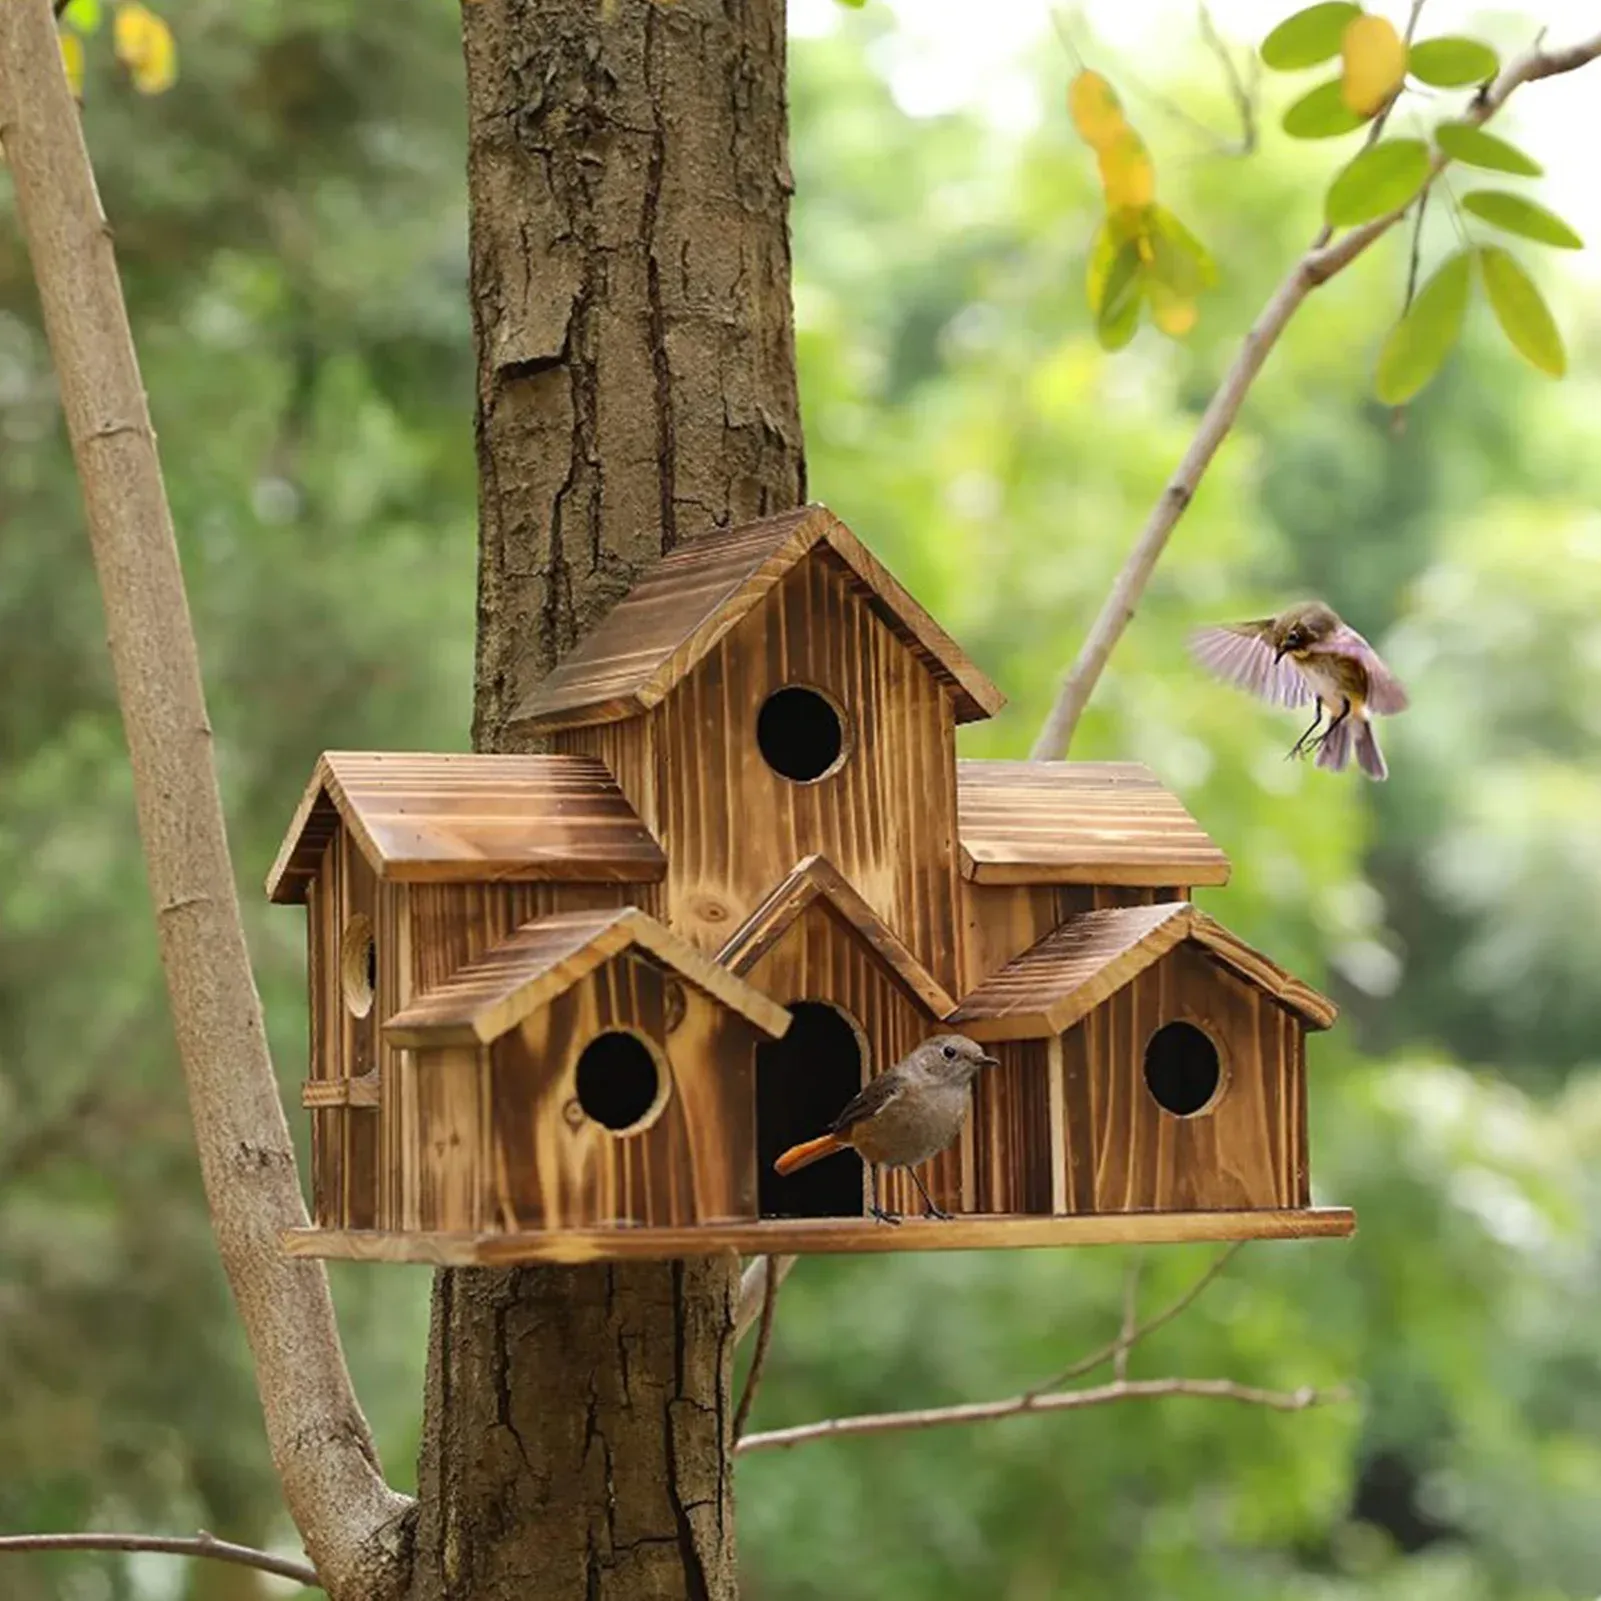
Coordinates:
(1131, 1318)
(1315, 268)
(1058, 1401)
(201, 1545)
(753, 1290)
(1127, 1338)
(1416, 259)
(321, 1446)
(758, 1361)
(1243, 94)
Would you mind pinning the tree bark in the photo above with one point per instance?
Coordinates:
(630, 278)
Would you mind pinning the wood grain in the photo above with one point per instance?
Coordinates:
(886, 818)
(796, 1237)
(1078, 823)
(822, 959)
(816, 879)
(1092, 955)
(321, 1092)
(543, 959)
(702, 590)
(420, 818)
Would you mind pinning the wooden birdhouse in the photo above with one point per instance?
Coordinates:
(571, 1006)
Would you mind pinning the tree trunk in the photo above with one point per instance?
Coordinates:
(631, 298)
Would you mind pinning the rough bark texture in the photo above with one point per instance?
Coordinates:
(630, 281)
(321, 1447)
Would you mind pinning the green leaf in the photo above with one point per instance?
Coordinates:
(1452, 63)
(1378, 180)
(1419, 343)
(84, 15)
(1521, 310)
(1309, 37)
(1461, 141)
(1321, 114)
(1179, 261)
(1516, 214)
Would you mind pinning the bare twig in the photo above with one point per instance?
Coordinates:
(321, 1445)
(1058, 1401)
(1243, 94)
(1131, 1318)
(758, 1361)
(1316, 267)
(1416, 259)
(753, 1290)
(201, 1545)
(1128, 1338)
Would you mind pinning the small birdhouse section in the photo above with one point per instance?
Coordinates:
(575, 1005)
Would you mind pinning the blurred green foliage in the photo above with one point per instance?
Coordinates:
(290, 221)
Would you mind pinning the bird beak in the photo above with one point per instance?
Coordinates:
(989, 1061)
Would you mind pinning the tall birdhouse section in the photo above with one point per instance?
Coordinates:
(572, 1006)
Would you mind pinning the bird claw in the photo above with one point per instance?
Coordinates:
(936, 1211)
(883, 1216)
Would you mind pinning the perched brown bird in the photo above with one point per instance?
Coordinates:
(904, 1116)
(1309, 653)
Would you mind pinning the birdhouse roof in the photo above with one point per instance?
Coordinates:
(1057, 982)
(1078, 823)
(696, 593)
(813, 879)
(492, 994)
(420, 818)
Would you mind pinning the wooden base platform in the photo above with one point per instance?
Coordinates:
(820, 1236)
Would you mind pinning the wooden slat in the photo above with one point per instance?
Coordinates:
(828, 1236)
(1078, 823)
(817, 879)
(686, 603)
(430, 818)
(1081, 964)
(322, 1092)
(494, 993)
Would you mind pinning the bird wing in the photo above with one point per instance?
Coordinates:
(1385, 694)
(1239, 654)
(875, 1095)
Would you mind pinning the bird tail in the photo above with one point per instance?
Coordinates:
(1354, 734)
(1369, 757)
(809, 1151)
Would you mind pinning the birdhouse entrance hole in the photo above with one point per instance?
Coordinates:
(358, 965)
(800, 734)
(1182, 1070)
(620, 1083)
(802, 1084)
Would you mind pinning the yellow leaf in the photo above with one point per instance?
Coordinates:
(72, 60)
(1374, 55)
(145, 46)
(1093, 105)
(1127, 175)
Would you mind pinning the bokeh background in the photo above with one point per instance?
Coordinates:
(290, 221)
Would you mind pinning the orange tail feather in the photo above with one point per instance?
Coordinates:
(809, 1151)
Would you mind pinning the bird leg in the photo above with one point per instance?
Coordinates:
(1299, 747)
(928, 1200)
(1345, 711)
(875, 1210)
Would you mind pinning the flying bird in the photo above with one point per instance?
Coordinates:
(904, 1116)
(1309, 653)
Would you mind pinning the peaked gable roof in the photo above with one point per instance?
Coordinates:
(1057, 982)
(815, 878)
(702, 589)
(491, 995)
(422, 818)
(1078, 823)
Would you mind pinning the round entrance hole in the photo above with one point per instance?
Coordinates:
(800, 734)
(620, 1083)
(358, 965)
(1182, 1069)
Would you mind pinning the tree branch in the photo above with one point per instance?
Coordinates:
(201, 1545)
(764, 1335)
(753, 1290)
(1057, 1401)
(1316, 267)
(321, 1446)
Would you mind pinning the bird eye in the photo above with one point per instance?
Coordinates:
(949, 1053)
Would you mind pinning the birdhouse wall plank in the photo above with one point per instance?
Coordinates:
(549, 1165)
(450, 1181)
(1017, 1130)
(628, 749)
(818, 960)
(885, 816)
